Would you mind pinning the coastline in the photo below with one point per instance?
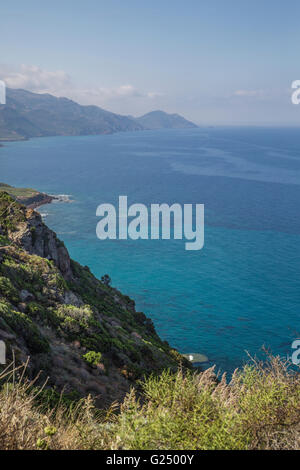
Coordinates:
(36, 201)
(30, 197)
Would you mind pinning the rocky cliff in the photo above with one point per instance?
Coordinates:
(84, 334)
(27, 196)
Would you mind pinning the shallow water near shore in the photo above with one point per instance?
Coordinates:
(242, 291)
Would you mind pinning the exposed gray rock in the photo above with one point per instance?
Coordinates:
(26, 296)
(36, 238)
(5, 335)
(72, 299)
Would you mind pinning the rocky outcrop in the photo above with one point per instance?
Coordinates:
(36, 238)
(37, 200)
(27, 196)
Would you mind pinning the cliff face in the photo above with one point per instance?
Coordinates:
(85, 335)
(36, 238)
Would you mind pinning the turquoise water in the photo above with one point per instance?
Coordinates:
(242, 290)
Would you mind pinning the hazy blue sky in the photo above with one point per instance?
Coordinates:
(214, 61)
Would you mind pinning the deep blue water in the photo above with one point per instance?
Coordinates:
(242, 290)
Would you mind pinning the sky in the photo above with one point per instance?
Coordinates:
(215, 62)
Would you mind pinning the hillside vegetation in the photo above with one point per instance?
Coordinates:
(258, 409)
(81, 332)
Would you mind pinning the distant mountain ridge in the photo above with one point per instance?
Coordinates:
(28, 114)
(162, 120)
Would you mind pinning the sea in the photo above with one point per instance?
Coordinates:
(236, 299)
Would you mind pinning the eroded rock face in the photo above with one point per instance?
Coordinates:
(36, 200)
(36, 238)
(72, 299)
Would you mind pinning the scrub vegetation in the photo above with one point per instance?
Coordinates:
(258, 409)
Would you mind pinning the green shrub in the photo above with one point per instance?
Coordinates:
(11, 213)
(8, 290)
(92, 358)
(48, 399)
(21, 324)
(106, 280)
(3, 240)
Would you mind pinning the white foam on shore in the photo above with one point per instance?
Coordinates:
(62, 198)
(196, 358)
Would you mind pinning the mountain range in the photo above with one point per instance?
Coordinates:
(28, 114)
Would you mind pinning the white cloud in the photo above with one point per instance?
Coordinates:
(123, 91)
(34, 78)
(59, 83)
(155, 94)
(111, 93)
(126, 90)
(249, 93)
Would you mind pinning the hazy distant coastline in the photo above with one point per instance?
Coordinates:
(28, 115)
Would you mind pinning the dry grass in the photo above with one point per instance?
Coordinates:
(26, 425)
(258, 409)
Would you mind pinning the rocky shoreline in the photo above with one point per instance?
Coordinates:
(32, 198)
(36, 200)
